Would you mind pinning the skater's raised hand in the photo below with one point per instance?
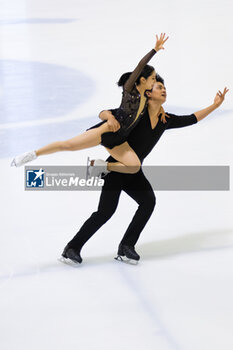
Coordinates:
(219, 98)
(160, 41)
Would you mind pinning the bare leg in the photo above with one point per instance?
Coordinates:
(128, 161)
(90, 138)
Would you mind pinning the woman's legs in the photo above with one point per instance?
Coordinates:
(127, 160)
(89, 138)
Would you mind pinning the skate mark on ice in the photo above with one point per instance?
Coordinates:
(150, 309)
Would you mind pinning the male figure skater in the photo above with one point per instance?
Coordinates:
(142, 139)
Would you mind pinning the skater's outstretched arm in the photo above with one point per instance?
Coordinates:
(219, 98)
(135, 74)
(179, 121)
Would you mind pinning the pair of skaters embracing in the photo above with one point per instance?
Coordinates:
(129, 133)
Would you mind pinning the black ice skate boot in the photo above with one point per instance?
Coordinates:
(128, 252)
(71, 254)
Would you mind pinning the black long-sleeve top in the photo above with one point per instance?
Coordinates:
(143, 138)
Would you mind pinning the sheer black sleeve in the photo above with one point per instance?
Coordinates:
(137, 71)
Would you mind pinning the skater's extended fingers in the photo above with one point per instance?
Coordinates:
(164, 34)
(225, 91)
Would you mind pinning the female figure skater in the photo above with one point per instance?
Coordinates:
(112, 133)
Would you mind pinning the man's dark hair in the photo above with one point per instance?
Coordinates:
(159, 79)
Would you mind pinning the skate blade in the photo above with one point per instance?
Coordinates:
(13, 163)
(126, 260)
(88, 172)
(88, 168)
(68, 261)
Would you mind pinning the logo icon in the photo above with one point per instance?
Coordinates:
(35, 178)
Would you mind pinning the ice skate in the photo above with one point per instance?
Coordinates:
(71, 256)
(23, 159)
(95, 168)
(127, 254)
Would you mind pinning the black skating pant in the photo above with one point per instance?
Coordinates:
(138, 188)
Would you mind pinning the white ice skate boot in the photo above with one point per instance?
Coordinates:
(24, 158)
(96, 167)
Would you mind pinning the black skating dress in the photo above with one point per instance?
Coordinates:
(126, 114)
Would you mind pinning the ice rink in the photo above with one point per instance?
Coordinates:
(59, 63)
